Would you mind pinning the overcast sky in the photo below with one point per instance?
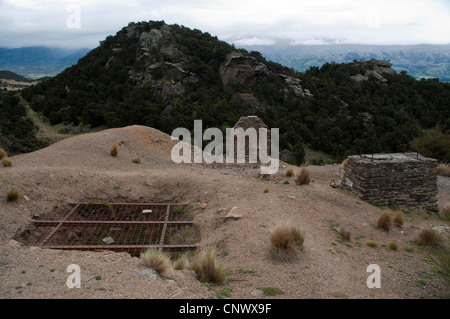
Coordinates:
(83, 23)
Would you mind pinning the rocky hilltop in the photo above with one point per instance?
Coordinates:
(164, 66)
(166, 76)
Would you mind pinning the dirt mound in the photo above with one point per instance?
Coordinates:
(81, 168)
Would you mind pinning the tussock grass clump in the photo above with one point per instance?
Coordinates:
(136, 160)
(114, 150)
(443, 170)
(3, 154)
(12, 195)
(372, 244)
(287, 241)
(344, 234)
(6, 162)
(393, 246)
(385, 221)
(266, 190)
(345, 163)
(290, 172)
(398, 219)
(157, 260)
(206, 267)
(181, 263)
(303, 176)
(430, 237)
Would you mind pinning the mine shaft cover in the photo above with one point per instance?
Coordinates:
(126, 227)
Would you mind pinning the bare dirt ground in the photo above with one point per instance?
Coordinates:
(80, 168)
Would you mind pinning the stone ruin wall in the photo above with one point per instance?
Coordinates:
(407, 180)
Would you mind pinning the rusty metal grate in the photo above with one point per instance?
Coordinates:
(129, 227)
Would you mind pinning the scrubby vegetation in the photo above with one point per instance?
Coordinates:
(206, 267)
(3, 154)
(430, 237)
(157, 260)
(443, 170)
(341, 118)
(136, 160)
(303, 176)
(398, 219)
(182, 262)
(385, 221)
(12, 195)
(6, 162)
(114, 152)
(17, 131)
(287, 241)
(344, 234)
(290, 172)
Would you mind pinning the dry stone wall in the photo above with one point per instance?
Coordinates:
(407, 180)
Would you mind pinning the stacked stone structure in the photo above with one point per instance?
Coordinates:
(407, 180)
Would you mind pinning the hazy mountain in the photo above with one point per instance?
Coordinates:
(37, 62)
(417, 60)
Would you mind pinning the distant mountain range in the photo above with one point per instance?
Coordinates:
(37, 62)
(419, 61)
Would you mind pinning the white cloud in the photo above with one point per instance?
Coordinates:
(34, 22)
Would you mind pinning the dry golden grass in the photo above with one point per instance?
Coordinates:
(287, 241)
(430, 237)
(12, 195)
(2, 153)
(398, 219)
(303, 176)
(6, 162)
(443, 170)
(181, 263)
(345, 163)
(157, 260)
(114, 150)
(206, 268)
(290, 172)
(385, 221)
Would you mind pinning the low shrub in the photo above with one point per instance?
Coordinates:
(12, 195)
(393, 246)
(206, 268)
(6, 162)
(430, 237)
(3, 154)
(443, 170)
(290, 172)
(344, 234)
(385, 221)
(114, 151)
(157, 260)
(398, 219)
(287, 241)
(303, 176)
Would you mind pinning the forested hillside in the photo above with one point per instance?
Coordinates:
(166, 76)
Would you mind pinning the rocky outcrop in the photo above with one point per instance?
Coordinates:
(294, 85)
(374, 68)
(160, 74)
(163, 67)
(239, 68)
(407, 180)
